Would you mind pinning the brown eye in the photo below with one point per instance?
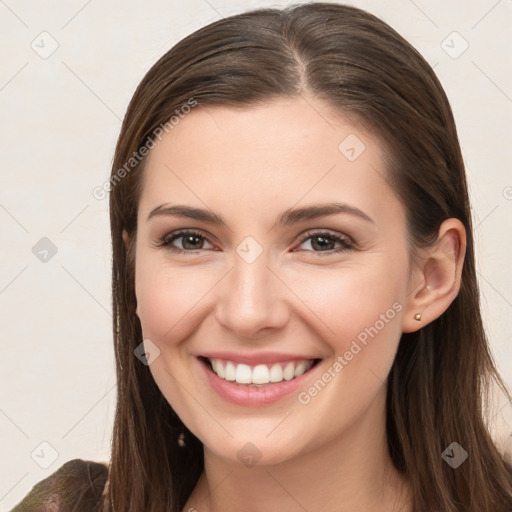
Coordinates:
(321, 242)
(190, 241)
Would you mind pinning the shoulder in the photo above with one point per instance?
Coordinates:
(76, 486)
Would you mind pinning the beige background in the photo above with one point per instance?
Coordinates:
(60, 116)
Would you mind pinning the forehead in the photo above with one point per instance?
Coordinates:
(288, 151)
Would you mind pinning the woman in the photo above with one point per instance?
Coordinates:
(255, 373)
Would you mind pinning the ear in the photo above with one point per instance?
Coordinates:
(436, 277)
(128, 241)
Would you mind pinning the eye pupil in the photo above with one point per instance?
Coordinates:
(186, 241)
(325, 241)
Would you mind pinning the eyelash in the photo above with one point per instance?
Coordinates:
(347, 243)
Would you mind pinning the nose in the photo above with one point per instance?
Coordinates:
(251, 299)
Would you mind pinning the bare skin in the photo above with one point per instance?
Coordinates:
(313, 296)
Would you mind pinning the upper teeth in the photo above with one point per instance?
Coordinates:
(260, 374)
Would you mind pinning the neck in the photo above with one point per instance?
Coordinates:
(352, 472)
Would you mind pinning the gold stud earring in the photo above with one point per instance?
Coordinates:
(417, 316)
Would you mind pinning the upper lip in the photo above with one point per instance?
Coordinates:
(254, 359)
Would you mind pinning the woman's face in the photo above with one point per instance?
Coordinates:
(262, 283)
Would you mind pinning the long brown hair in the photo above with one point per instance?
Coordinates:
(439, 382)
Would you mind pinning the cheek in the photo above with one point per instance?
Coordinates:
(169, 298)
(358, 311)
(165, 298)
(166, 302)
(348, 300)
(363, 307)
(372, 340)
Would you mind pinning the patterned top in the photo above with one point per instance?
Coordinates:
(76, 486)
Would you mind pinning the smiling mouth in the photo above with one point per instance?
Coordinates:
(258, 375)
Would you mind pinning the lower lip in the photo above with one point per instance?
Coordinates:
(254, 396)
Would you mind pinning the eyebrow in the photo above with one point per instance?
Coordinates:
(287, 218)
